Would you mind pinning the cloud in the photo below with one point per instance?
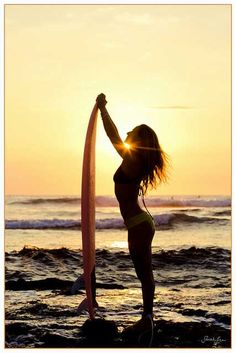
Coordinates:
(172, 107)
(145, 56)
(138, 19)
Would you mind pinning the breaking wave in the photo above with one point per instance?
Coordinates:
(165, 219)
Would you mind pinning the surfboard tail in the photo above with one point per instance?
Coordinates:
(84, 306)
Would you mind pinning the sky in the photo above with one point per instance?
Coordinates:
(168, 66)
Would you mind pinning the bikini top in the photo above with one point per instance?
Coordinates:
(121, 178)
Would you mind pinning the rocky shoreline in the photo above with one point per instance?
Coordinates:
(167, 334)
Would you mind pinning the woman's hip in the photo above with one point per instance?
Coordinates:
(143, 218)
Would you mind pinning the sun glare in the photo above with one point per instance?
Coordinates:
(127, 145)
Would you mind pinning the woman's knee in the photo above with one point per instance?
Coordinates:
(143, 264)
(147, 279)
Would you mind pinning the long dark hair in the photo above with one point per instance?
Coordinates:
(155, 160)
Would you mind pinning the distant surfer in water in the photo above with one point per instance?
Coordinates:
(144, 164)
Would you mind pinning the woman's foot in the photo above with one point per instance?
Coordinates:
(143, 325)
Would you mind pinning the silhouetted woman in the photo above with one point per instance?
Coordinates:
(143, 165)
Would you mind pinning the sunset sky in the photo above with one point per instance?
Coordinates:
(168, 66)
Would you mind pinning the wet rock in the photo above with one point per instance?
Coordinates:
(193, 312)
(225, 319)
(17, 328)
(190, 335)
(52, 284)
(103, 333)
(100, 330)
(55, 340)
(44, 284)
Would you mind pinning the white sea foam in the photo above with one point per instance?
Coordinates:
(110, 223)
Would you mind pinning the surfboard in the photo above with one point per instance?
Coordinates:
(88, 215)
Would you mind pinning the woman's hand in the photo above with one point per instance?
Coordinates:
(101, 101)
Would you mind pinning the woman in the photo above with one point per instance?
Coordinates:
(143, 165)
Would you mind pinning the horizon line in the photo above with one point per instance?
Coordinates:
(79, 195)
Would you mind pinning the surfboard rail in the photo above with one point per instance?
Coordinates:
(88, 214)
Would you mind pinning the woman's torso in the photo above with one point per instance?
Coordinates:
(126, 191)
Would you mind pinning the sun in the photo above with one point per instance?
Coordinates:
(127, 145)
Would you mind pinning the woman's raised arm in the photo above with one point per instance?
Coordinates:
(110, 127)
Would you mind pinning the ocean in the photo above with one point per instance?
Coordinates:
(191, 264)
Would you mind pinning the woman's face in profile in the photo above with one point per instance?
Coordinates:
(132, 136)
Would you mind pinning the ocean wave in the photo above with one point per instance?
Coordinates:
(175, 218)
(192, 267)
(165, 219)
(195, 202)
(43, 224)
(42, 200)
(110, 201)
(111, 223)
(193, 255)
(222, 213)
(206, 257)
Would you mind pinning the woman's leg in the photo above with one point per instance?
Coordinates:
(140, 240)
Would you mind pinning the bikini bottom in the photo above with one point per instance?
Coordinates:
(140, 218)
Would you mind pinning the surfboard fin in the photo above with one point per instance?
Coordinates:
(78, 284)
(84, 306)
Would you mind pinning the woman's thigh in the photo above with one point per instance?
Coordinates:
(140, 240)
